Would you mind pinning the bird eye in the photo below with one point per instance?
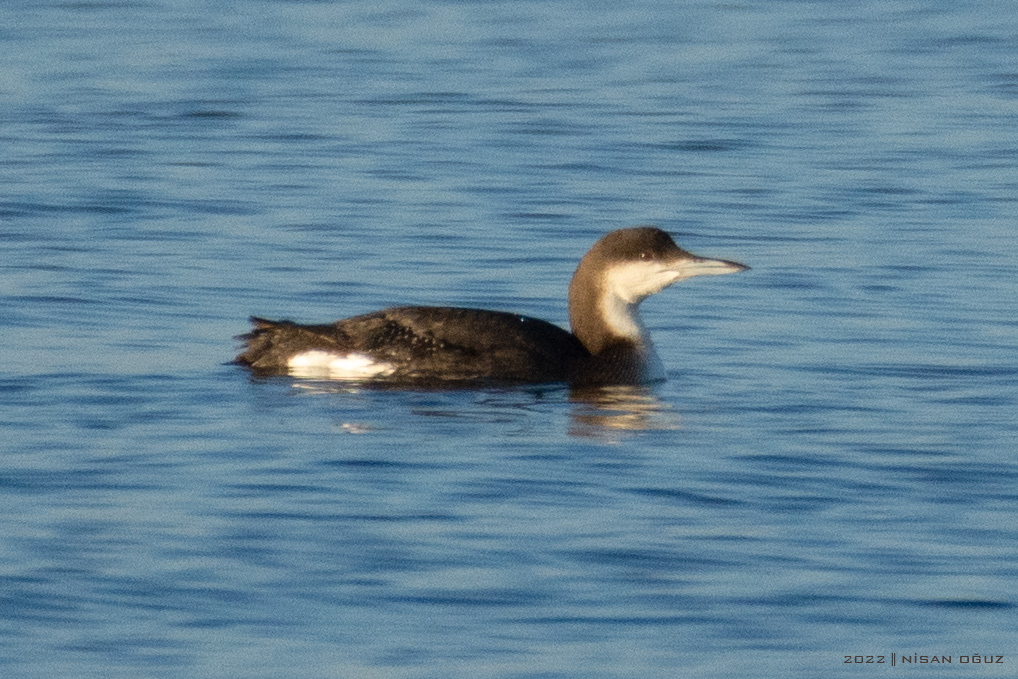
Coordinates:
(646, 254)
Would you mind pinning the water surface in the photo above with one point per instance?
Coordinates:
(828, 471)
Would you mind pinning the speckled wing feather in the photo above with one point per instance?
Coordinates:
(427, 344)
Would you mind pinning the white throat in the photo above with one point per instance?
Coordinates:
(623, 318)
(624, 286)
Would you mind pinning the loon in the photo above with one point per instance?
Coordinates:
(608, 345)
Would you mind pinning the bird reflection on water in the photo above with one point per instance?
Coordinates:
(599, 413)
(606, 412)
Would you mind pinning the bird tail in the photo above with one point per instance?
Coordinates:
(271, 344)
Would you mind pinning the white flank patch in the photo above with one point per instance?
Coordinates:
(324, 364)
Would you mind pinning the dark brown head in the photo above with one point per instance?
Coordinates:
(620, 271)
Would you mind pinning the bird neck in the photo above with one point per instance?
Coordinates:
(600, 318)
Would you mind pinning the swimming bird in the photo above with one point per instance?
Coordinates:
(608, 345)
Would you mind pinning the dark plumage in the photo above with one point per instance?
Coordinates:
(427, 344)
(608, 345)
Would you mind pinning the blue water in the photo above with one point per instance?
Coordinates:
(830, 469)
